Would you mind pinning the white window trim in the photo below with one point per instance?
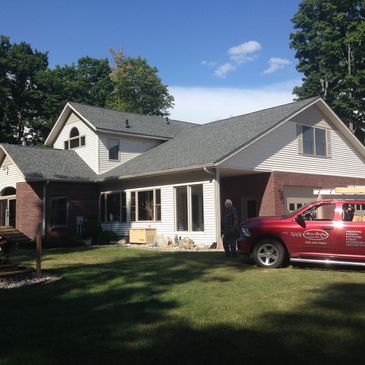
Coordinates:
(55, 197)
(103, 195)
(74, 138)
(154, 205)
(327, 136)
(113, 159)
(189, 208)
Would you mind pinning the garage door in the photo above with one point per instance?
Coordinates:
(296, 196)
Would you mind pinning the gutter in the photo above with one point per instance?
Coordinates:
(154, 173)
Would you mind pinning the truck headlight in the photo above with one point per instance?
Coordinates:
(245, 232)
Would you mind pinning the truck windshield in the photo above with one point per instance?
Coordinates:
(297, 210)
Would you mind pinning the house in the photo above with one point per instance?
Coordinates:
(128, 171)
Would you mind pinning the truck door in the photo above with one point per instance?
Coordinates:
(352, 240)
(318, 235)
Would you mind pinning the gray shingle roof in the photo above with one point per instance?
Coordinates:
(39, 164)
(149, 125)
(207, 144)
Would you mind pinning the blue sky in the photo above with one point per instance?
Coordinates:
(219, 58)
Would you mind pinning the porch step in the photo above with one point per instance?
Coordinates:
(10, 234)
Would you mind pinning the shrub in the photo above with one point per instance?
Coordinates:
(92, 229)
(106, 237)
(66, 239)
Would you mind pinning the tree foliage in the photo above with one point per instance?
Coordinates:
(22, 96)
(88, 81)
(138, 89)
(329, 41)
(32, 95)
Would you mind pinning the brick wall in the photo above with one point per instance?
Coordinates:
(268, 189)
(282, 179)
(82, 201)
(29, 208)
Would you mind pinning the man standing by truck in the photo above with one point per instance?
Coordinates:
(230, 229)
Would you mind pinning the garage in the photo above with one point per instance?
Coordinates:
(297, 196)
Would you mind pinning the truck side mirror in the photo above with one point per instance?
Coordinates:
(300, 220)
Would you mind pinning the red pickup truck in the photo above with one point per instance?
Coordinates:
(326, 231)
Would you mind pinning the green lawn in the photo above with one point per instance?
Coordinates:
(125, 306)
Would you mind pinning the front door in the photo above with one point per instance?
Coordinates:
(3, 212)
(8, 212)
(11, 212)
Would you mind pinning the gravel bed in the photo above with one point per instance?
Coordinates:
(26, 282)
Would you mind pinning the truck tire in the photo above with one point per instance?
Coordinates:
(269, 253)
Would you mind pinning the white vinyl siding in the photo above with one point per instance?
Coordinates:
(89, 152)
(278, 151)
(129, 147)
(10, 175)
(166, 226)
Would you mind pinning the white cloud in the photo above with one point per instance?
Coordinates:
(275, 64)
(244, 52)
(222, 70)
(204, 104)
(245, 48)
(208, 63)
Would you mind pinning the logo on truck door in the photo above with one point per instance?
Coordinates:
(315, 235)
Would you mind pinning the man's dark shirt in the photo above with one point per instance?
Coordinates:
(229, 218)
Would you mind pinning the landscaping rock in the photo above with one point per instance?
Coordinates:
(186, 243)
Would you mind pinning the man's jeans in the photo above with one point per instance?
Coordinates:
(229, 243)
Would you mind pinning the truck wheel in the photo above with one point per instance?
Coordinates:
(269, 253)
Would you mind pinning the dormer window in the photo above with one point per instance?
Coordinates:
(75, 139)
(314, 141)
(113, 148)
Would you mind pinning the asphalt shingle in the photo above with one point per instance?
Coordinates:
(206, 144)
(39, 164)
(148, 125)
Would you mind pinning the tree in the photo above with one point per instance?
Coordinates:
(4, 46)
(137, 88)
(329, 40)
(22, 97)
(86, 82)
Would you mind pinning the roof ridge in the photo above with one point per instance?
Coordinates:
(133, 113)
(262, 110)
(32, 146)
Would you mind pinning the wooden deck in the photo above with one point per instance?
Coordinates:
(11, 235)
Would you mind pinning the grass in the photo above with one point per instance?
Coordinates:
(125, 306)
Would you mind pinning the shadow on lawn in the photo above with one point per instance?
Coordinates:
(117, 312)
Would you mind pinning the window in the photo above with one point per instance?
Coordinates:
(197, 211)
(133, 206)
(58, 215)
(314, 141)
(181, 208)
(189, 208)
(113, 148)
(75, 140)
(146, 205)
(321, 212)
(113, 207)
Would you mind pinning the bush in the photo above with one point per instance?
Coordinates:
(92, 229)
(106, 237)
(66, 239)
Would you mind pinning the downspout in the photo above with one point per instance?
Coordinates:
(218, 207)
(44, 208)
